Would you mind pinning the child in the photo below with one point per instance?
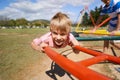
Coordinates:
(59, 35)
(112, 8)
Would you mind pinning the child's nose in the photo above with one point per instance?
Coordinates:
(58, 37)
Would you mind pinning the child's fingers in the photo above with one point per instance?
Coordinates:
(42, 46)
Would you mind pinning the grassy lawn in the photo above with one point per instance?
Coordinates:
(16, 52)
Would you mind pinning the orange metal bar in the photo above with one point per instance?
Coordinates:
(92, 20)
(95, 53)
(106, 20)
(79, 71)
(114, 59)
(93, 60)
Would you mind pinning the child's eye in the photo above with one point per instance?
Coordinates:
(54, 33)
(62, 34)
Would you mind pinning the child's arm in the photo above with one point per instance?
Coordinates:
(97, 23)
(117, 27)
(39, 43)
(35, 47)
(39, 47)
(74, 42)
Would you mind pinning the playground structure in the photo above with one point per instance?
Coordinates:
(88, 38)
(79, 69)
(97, 32)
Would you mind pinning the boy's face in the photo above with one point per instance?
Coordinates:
(59, 37)
(107, 2)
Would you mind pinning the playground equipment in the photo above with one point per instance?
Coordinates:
(88, 38)
(98, 32)
(93, 37)
(79, 69)
(57, 70)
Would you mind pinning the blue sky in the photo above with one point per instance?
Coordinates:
(44, 9)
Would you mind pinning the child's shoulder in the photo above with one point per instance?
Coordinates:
(46, 35)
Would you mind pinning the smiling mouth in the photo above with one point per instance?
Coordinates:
(59, 43)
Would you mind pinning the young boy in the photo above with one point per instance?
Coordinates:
(112, 8)
(59, 35)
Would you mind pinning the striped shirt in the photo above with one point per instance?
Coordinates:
(112, 10)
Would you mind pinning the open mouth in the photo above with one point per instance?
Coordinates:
(59, 43)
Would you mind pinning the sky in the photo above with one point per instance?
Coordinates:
(44, 9)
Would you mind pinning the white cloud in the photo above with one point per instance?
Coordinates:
(40, 9)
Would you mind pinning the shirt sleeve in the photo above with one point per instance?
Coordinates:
(43, 38)
(71, 37)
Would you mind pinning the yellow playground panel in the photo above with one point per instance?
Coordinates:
(97, 32)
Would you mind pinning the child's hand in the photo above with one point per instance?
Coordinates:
(76, 51)
(42, 46)
(114, 32)
(93, 30)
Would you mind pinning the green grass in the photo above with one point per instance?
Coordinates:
(15, 50)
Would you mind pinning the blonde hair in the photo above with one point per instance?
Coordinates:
(60, 22)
